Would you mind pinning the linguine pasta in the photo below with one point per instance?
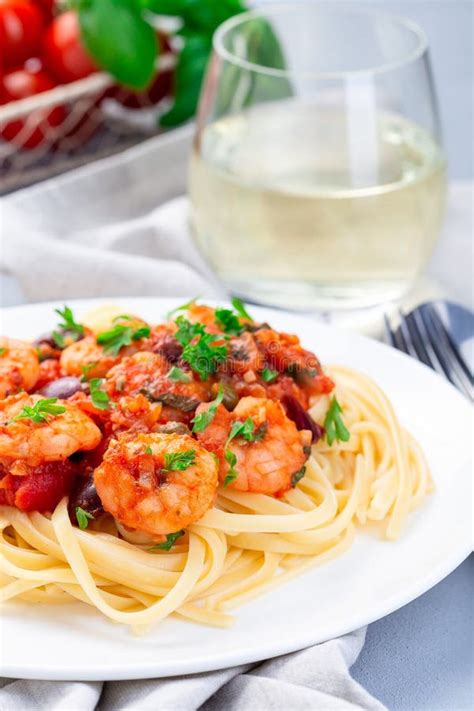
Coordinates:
(246, 545)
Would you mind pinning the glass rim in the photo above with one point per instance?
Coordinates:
(281, 8)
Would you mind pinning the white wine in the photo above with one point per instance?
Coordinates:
(292, 209)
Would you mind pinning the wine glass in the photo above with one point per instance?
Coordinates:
(317, 177)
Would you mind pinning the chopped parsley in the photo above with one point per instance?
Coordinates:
(86, 369)
(297, 476)
(179, 375)
(183, 307)
(99, 397)
(228, 322)
(83, 517)
(119, 336)
(69, 323)
(179, 461)
(268, 375)
(232, 473)
(240, 308)
(247, 431)
(187, 330)
(38, 413)
(3, 351)
(333, 424)
(170, 540)
(58, 339)
(201, 421)
(148, 450)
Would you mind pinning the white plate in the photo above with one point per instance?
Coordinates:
(372, 579)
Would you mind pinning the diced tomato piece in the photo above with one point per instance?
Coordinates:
(39, 491)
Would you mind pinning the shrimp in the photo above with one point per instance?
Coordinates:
(148, 373)
(88, 354)
(27, 443)
(267, 464)
(137, 484)
(19, 366)
(98, 358)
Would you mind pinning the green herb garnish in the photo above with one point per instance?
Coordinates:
(247, 431)
(69, 323)
(187, 330)
(3, 351)
(167, 545)
(83, 518)
(38, 413)
(228, 322)
(268, 375)
(99, 397)
(201, 421)
(232, 473)
(148, 450)
(58, 339)
(204, 356)
(119, 336)
(183, 307)
(297, 476)
(333, 424)
(240, 308)
(86, 369)
(179, 375)
(179, 461)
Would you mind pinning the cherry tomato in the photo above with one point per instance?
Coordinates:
(63, 54)
(47, 6)
(40, 124)
(21, 30)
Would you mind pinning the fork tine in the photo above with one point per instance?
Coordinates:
(412, 335)
(388, 332)
(439, 325)
(444, 350)
(396, 337)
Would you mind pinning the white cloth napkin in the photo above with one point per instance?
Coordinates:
(70, 254)
(315, 678)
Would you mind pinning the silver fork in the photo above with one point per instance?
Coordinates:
(422, 334)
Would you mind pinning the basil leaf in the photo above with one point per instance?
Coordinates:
(189, 73)
(119, 39)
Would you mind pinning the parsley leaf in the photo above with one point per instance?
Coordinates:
(228, 321)
(58, 339)
(203, 356)
(183, 307)
(268, 375)
(179, 461)
(240, 308)
(201, 421)
(232, 473)
(40, 409)
(179, 375)
(333, 424)
(69, 323)
(297, 476)
(119, 336)
(166, 545)
(247, 431)
(187, 330)
(99, 397)
(85, 370)
(148, 450)
(83, 517)
(3, 351)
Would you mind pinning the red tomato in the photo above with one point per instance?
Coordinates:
(39, 491)
(40, 124)
(21, 30)
(47, 6)
(63, 54)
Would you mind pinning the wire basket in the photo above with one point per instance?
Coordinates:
(73, 124)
